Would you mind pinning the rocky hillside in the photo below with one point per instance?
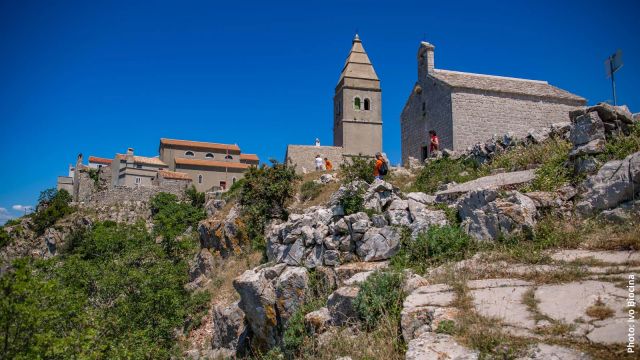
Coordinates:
(512, 249)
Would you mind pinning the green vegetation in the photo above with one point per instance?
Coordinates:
(619, 147)
(380, 297)
(171, 219)
(310, 190)
(437, 245)
(234, 191)
(13, 222)
(446, 327)
(352, 202)
(5, 239)
(264, 195)
(358, 168)
(52, 206)
(197, 198)
(94, 174)
(113, 294)
(446, 170)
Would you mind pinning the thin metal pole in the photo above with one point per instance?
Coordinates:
(613, 81)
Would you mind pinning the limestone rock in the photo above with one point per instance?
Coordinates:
(340, 305)
(586, 128)
(318, 321)
(544, 351)
(616, 182)
(431, 346)
(421, 198)
(379, 244)
(229, 328)
(624, 212)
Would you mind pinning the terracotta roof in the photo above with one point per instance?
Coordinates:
(211, 163)
(250, 157)
(99, 160)
(142, 160)
(199, 145)
(502, 84)
(174, 175)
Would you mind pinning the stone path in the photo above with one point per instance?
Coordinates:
(492, 182)
(591, 311)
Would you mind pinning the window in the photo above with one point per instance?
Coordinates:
(367, 105)
(199, 179)
(229, 157)
(209, 156)
(189, 153)
(138, 180)
(356, 103)
(138, 166)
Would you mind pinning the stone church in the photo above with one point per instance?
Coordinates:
(357, 115)
(466, 108)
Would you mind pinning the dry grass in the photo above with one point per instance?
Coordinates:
(599, 310)
(382, 343)
(221, 286)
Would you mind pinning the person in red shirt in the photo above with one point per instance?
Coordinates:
(376, 170)
(434, 142)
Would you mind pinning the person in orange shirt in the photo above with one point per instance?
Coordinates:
(381, 167)
(328, 165)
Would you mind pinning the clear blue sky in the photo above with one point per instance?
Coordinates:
(99, 76)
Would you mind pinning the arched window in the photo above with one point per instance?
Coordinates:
(367, 105)
(199, 179)
(209, 156)
(356, 103)
(229, 157)
(189, 153)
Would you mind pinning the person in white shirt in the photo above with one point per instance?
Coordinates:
(319, 163)
(317, 142)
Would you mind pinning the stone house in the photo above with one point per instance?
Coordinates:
(131, 170)
(99, 162)
(357, 115)
(466, 108)
(211, 166)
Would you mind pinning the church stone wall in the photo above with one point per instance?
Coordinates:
(416, 123)
(303, 156)
(478, 115)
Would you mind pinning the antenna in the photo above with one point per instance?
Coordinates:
(612, 64)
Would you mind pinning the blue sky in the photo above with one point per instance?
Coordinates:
(99, 76)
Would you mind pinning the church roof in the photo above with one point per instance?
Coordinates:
(501, 84)
(199, 145)
(358, 64)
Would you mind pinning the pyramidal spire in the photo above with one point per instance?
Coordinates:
(358, 65)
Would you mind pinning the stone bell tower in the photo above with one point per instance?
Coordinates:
(357, 105)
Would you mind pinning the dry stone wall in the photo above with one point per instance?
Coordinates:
(303, 156)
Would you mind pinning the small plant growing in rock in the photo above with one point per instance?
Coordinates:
(352, 202)
(600, 310)
(380, 296)
(358, 168)
(446, 327)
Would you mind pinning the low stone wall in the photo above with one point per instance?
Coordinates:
(121, 194)
(303, 156)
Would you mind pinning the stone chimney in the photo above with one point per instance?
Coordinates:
(130, 151)
(425, 60)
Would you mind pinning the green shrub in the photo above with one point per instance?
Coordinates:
(52, 206)
(619, 147)
(264, 195)
(197, 198)
(172, 218)
(113, 294)
(13, 222)
(5, 239)
(380, 296)
(358, 168)
(310, 190)
(445, 170)
(234, 191)
(437, 245)
(553, 172)
(446, 327)
(352, 202)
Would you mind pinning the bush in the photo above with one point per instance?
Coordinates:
(264, 195)
(352, 202)
(5, 239)
(113, 294)
(171, 219)
(553, 172)
(619, 147)
(197, 198)
(380, 296)
(52, 206)
(310, 190)
(234, 191)
(437, 245)
(358, 168)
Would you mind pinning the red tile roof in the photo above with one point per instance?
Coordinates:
(173, 175)
(211, 163)
(199, 145)
(99, 160)
(143, 160)
(250, 157)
